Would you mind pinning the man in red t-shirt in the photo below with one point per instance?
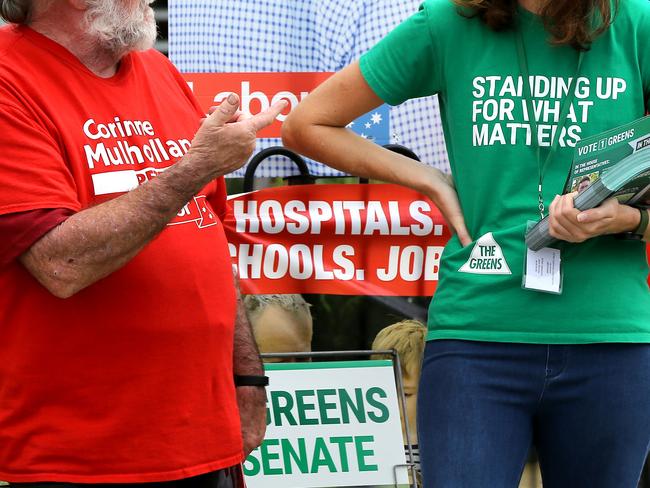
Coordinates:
(121, 331)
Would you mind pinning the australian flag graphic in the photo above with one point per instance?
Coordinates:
(374, 125)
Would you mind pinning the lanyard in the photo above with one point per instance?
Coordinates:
(542, 166)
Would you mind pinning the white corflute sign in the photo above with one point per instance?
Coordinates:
(330, 424)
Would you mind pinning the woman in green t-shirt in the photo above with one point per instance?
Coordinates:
(508, 364)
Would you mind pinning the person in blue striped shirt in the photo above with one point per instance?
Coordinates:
(301, 35)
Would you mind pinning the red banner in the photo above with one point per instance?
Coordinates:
(257, 91)
(336, 239)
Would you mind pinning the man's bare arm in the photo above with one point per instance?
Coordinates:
(246, 361)
(95, 242)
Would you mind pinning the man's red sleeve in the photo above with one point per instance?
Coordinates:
(18, 231)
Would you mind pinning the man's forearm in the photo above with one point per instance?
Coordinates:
(246, 356)
(251, 400)
(99, 240)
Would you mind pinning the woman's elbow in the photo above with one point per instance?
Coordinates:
(291, 131)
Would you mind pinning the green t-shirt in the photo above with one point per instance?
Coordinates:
(475, 71)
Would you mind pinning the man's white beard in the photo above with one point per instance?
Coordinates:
(119, 30)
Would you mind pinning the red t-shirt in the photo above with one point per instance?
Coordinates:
(130, 380)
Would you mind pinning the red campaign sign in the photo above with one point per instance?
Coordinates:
(336, 239)
(257, 91)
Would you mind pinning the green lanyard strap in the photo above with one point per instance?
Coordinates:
(542, 166)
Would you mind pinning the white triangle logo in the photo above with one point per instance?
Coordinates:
(486, 258)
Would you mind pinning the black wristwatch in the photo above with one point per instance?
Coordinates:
(251, 380)
(638, 233)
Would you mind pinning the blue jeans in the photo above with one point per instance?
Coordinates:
(585, 408)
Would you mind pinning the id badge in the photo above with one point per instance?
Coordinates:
(543, 270)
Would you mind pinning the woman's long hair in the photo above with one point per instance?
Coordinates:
(570, 22)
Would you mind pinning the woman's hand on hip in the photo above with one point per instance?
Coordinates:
(443, 193)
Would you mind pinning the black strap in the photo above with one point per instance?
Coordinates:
(251, 380)
(638, 233)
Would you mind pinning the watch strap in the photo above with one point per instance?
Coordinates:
(638, 233)
(251, 380)
(643, 224)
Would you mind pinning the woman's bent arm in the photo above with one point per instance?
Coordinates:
(317, 129)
